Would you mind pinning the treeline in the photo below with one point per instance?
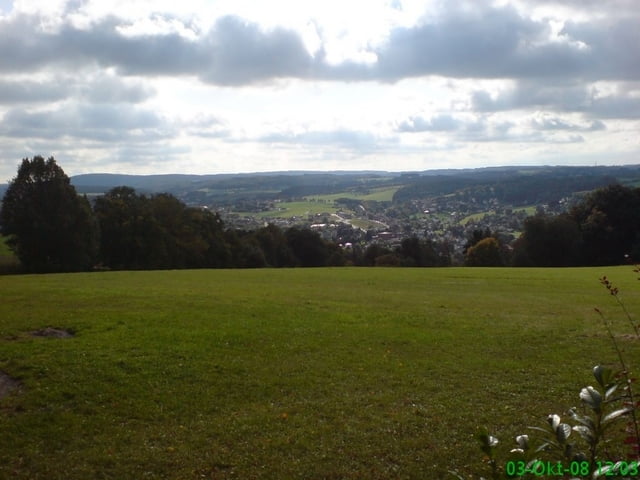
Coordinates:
(53, 229)
(507, 187)
(161, 232)
(603, 229)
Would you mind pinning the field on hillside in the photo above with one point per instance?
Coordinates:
(317, 204)
(295, 373)
(296, 209)
(381, 194)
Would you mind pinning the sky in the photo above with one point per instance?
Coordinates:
(227, 86)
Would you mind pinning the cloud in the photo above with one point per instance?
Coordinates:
(477, 41)
(613, 47)
(238, 52)
(437, 123)
(77, 78)
(206, 126)
(553, 123)
(569, 97)
(341, 138)
(28, 91)
(111, 89)
(95, 88)
(106, 123)
(234, 52)
(481, 41)
(618, 105)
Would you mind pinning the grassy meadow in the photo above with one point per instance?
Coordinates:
(318, 204)
(292, 374)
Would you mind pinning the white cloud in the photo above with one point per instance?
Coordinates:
(241, 85)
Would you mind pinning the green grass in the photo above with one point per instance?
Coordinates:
(531, 210)
(380, 194)
(474, 217)
(296, 209)
(301, 373)
(319, 204)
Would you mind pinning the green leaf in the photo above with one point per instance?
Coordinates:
(539, 429)
(523, 442)
(487, 442)
(610, 391)
(584, 432)
(603, 375)
(585, 420)
(544, 447)
(562, 432)
(615, 414)
(554, 421)
(591, 397)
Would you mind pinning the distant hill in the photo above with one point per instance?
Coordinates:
(228, 188)
(516, 185)
(513, 185)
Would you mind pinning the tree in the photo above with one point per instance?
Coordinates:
(475, 237)
(140, 232)
(273, 242)
(50, 227)
(549, 241)
(127, 230)
(485, 253)
(372, 252)
(309, 249)
(609, 219)
(415, 252)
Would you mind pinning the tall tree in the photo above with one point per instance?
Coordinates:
(273, 242)
(549, 241)
(140, 232)
(309, 249)
(50, 227)
(609, 219)
(128, 233)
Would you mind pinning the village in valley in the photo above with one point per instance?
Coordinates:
(358, 209)
(447, 219)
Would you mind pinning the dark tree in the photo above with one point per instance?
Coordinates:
(415, 252)
(128, 232)
(50, 227)
(309, 249)
(204, 240)
(273, 242)
(549, 241)
(372, 252)
(609, 219)
(139, 232)
(475, 237)
(245, 249)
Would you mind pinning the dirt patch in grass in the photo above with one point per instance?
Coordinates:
(7, 384)
(51, 332)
